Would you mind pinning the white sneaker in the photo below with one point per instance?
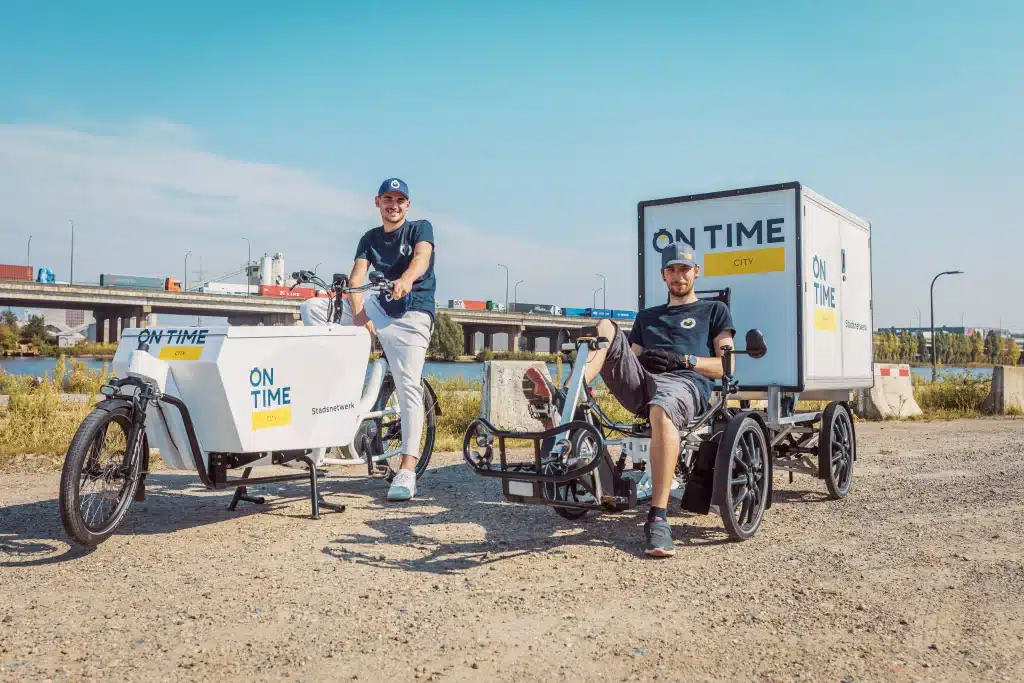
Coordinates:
(403, 486)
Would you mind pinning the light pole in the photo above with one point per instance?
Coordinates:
(604, 292)
(919, 323)
(185, 287)
(506, 284)
(932, 300)
(317, 266)
(515, 293)
(595, 295)
(71, 279)
(248, 262)
(28, 259)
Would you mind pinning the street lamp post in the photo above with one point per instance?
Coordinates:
(932, 301)
(71, 278)
(185, 287)
(604, 292)
(595, 295)
(515, 293)
(28, 259)
(506, 284)
(248, 263)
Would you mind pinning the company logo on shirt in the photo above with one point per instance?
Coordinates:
(688, 324)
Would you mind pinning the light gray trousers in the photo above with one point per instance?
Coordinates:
(405, 341)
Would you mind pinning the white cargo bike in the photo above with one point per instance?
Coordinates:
(795, 269)
(223, 398)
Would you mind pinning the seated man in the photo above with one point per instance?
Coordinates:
(666, 366)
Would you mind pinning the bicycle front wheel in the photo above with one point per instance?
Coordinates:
(98, 479)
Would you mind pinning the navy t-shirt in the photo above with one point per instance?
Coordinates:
(391, 253)
(687, 328)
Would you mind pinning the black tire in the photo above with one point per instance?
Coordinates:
(83, 460)
(579, 442)
(837, 450)
(390, 429)
(741, 477)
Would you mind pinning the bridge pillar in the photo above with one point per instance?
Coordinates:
(469, 340)
(489, 340)
(515, 338)
(101, 328)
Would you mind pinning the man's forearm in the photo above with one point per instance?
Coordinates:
(418, 266)
(355, 279)
(709, 366)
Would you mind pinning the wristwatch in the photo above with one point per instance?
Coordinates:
(691, 361)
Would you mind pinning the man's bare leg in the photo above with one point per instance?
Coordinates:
(595, 361)
(664, 455)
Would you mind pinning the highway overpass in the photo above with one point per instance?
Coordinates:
(116, 309)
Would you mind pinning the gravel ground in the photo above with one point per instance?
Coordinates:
(918, 575)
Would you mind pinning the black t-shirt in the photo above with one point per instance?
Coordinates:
(688, 328)
(391, 253)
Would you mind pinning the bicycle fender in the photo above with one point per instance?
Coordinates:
(110, 404)
(433, 398)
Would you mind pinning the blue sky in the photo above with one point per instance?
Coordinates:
(527, 134)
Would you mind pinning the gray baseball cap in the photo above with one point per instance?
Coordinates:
(678, 252)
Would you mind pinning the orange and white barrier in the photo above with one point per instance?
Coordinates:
(892, 395)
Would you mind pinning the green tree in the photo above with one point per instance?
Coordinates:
(8, 318)
(922, 347)
(448, 340)
(35, 331)
(977, 348)
(993, 346)
(1011, 352)
(8, 338)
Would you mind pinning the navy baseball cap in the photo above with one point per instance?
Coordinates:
(678, 252)
(394, 185)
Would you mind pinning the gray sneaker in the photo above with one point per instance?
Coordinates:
(403, 486)
(659, 539)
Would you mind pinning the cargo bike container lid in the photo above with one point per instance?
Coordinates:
(261, 388)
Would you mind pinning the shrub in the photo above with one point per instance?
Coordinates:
(447, 342)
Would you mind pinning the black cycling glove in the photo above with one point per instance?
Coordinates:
(663, 360)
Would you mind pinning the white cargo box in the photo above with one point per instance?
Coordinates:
(253, 389)
(798, 267)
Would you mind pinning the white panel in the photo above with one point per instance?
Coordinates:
(822, 295)
(766, 300)
(856, 301)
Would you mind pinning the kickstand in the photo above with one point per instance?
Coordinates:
(240, 493)
(314, 494)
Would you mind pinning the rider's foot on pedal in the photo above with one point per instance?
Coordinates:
(403, 486)
(659, 538)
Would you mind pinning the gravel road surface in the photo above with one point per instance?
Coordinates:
(917, 576)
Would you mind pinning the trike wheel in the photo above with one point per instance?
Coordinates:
(741, 477)
(390, 429)
(584, 449)
(98, 479)
(837, 450)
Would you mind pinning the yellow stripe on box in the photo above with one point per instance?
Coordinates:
(770, 260)
(277, 417)
(824, 319)
(181, 352)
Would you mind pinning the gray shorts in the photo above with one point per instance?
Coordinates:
(636, 388)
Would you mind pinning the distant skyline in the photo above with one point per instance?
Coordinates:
(527, 134)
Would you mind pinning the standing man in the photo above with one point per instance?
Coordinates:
(403, 251)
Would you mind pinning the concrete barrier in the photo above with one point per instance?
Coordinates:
(891, 396)
(1007, 392)
(503, 403)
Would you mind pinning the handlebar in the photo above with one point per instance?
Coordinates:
(339, 283)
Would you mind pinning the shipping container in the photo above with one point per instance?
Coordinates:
(599, 313)
(132, 281)
(575, 312)
(623, 315)
(456, 304)
(474, 305)
(536, 309)
(281, 292)
(229, 288)
(15, 272)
